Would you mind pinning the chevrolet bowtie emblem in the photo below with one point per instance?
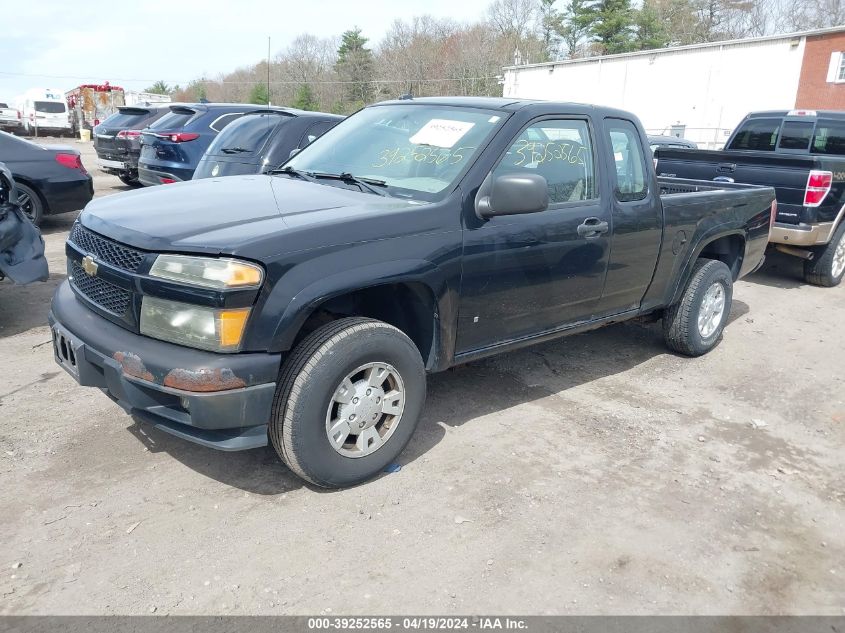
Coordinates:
(89, 265)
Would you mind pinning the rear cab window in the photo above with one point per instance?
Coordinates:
(757, 134)
(796, 135)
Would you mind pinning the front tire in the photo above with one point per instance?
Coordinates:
(348, 400)
(694, 325)
(828, 266)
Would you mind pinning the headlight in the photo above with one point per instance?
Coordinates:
(208, 271)
(214, 329)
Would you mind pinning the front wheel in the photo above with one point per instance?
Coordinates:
(348, 401)
(828, 266)
(694, 325)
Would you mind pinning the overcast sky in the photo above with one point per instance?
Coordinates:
(60, 44)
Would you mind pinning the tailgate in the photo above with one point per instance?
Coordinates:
(786, 173)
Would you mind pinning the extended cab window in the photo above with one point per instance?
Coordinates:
(628, 159)
(796, 135)
(756, 134)
(829, 138)
(561, 152)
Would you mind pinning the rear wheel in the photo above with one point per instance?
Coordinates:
(30, 203)
(694, 325)
(828, 266)
(129, 179)
(348, 401)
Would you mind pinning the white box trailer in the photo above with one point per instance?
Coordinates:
(133, 97)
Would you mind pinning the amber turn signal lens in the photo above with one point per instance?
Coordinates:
(232, 323)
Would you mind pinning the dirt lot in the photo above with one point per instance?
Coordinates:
(597, 474)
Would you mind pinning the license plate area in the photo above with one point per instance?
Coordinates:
(68, 350)
(113, 164)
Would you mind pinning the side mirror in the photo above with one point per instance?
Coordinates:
(513, 194)
(294, 152)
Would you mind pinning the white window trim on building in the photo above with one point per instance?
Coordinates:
(836, 68)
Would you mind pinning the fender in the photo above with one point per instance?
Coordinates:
(301, 305)
(708, 237)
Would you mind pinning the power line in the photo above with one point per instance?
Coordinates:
(292, 82)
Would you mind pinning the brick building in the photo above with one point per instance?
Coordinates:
(821, 85)
(701, 91)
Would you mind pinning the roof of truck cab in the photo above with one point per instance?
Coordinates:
(836, 114)
(509, 105)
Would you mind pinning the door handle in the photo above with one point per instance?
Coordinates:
(726, 167)
(592, 227)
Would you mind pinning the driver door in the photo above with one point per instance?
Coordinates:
(537, 272)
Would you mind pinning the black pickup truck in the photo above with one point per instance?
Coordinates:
(307, 305)
(801, 154)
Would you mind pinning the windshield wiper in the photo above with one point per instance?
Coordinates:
(234, 150)
(369, 184)
(304, 175)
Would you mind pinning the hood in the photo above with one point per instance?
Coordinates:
(254, 216)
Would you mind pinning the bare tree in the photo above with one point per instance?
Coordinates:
(519, 23)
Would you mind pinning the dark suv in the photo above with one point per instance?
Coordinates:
(172, 146)
(261, 140)
(117, 139)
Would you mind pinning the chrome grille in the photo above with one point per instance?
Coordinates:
(106, 295)
(105, 249)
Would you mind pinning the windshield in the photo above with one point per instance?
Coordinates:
(246, 135)
(50, 107)
(418, 151)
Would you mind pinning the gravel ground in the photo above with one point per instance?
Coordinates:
(596, 474)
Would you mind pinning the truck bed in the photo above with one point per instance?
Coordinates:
(786, 172)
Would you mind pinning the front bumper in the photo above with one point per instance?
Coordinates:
(802, 234)
(219, 400)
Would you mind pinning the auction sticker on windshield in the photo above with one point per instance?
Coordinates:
(441, 133)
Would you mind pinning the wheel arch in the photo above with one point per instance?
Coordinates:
(29, 183)
(410, 298)
(727, 247)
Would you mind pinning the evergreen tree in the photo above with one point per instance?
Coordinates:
(259, 94)
(650, 31)
(575, 23)
(355, 65)
(612, 25)
(305, 99)
(551, 24)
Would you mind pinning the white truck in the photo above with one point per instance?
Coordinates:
(10, 118)
(44, 112)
